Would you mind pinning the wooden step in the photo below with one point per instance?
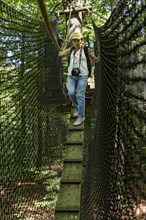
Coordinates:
(67, 215)
(69, 197)
(72, 172)
(74, 152)
(72, 160)
(76, 128)
(74, 135)
(67, 210)
(70, 181)
(74, 142)
(68, 204)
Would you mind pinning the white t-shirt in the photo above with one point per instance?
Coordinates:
(78, 61)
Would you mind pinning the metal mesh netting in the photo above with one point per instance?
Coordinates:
(114, 178)
(33, 129)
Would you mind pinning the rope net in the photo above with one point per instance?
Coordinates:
(34, 119)
(33, 128)
(114, 179)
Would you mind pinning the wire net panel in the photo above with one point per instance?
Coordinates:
(33, 129)
(114, 177)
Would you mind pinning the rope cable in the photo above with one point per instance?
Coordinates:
(47, 23)
(68, 26)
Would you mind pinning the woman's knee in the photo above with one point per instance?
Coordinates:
(71, 93)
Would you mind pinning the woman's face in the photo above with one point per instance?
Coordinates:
(77, 43)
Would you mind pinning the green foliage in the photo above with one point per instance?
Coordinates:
(100, 12)
(30, 7)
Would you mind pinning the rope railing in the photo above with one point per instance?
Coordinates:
(34, 123)
(114, 179)
(30, 153)
(47, 23)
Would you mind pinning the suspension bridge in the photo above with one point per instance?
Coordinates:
(97, 171)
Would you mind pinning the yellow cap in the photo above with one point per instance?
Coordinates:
(77, 35)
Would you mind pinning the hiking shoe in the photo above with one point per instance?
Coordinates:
(79, 121)
(75, 114)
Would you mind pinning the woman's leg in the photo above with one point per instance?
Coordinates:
(72, 86)
(81, 89)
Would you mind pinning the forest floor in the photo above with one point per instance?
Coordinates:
(34, 199)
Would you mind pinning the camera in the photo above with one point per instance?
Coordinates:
(75, 72)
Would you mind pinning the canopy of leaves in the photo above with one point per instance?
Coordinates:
(101, 10)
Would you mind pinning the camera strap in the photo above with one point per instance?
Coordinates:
(79, 57)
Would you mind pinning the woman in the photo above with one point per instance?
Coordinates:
(78, 75)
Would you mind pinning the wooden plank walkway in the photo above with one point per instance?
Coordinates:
(69, 198)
